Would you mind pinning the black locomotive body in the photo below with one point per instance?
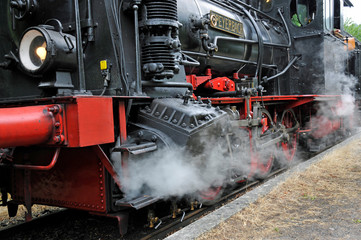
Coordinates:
(93, 89)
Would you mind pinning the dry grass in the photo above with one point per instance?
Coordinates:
(333, 181)
(37, 210)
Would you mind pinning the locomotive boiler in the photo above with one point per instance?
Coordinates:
(93, 89)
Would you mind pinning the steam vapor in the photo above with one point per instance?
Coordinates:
(176, 172)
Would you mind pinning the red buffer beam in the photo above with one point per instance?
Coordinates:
(25, 126)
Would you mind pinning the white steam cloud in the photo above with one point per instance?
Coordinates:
(337, 82)
(167, 173)
(177, 172)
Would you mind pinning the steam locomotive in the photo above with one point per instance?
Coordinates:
(93, 90)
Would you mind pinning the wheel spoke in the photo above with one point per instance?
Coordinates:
(211, 195)
(265, 157)
(289, 148)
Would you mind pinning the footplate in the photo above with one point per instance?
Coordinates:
(137, 203)
(137, 149)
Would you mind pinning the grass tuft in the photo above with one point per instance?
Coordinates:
(315, 196)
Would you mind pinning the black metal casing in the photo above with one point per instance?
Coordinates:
(175, 39)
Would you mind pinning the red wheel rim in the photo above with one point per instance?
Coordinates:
(289, 148)
(266, 167)
(262, 163)
(211, 193)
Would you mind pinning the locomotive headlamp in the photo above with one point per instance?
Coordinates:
(41, 52)
(43, 49)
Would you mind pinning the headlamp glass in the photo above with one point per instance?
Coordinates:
(33, 50)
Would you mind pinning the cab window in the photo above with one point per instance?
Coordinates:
(266, 5)
(302, 12)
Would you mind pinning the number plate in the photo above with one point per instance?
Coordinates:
(226, 24)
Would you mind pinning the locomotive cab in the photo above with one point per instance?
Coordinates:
(316, 25)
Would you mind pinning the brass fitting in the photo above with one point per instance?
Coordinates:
(152, 219)
(193, 205)
(175, 210)
(152, 222)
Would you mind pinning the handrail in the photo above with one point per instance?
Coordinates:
(247, 41)
(33, 167)
(265, 79)
(258, 73)
(287, 30)
(228, 59)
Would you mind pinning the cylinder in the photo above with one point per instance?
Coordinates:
(24, 126)
(160, 44)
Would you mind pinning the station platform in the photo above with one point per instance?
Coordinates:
(316, 199)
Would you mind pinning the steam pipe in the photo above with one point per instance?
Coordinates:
(287, 30)
(227, 94)
(250, 42)
(320, 34)
(138, 87)
(229, 59)
(79, 48)
(260, 42)
(168, 84)
(244, 92)
(232, 39)
(284, 70)
(90, 19)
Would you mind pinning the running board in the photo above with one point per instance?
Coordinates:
(136, 149)
(137, 203)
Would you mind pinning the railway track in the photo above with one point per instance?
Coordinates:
(70, 224)
(194, 215)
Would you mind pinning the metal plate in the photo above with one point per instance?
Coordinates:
(226, 24)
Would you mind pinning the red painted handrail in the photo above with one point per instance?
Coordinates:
(33, 167)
